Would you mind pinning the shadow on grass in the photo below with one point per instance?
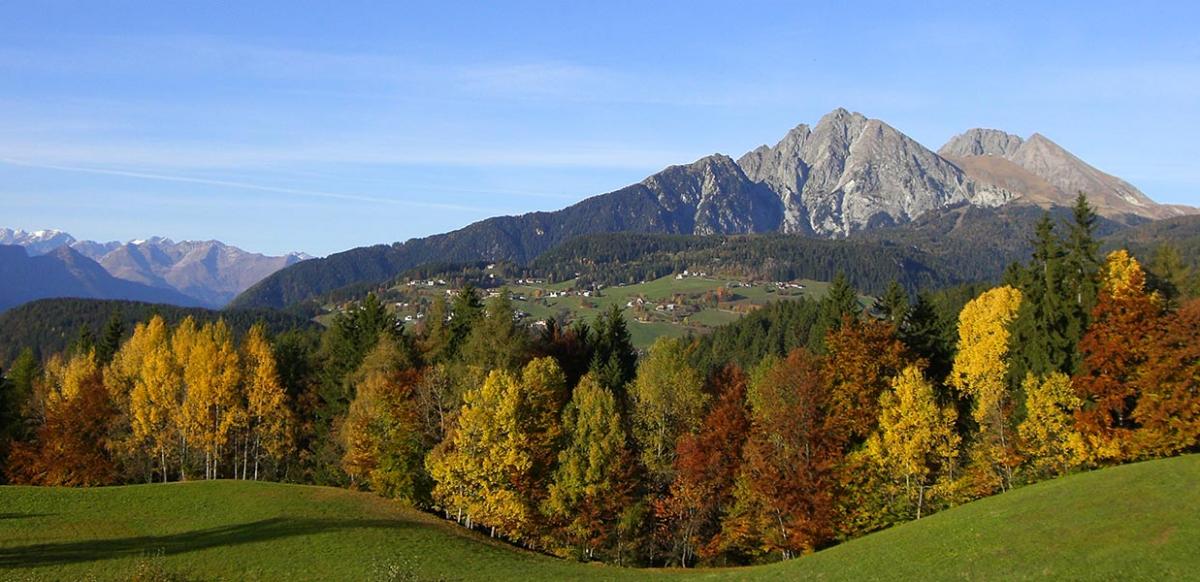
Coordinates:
(244, 533)
(4, 516)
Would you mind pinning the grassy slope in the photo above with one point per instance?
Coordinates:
(1136, 521)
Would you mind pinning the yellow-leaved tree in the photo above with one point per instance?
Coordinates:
(154, 405)
(268, 418)
(211, 409)
(980, 371)
(916, 445)
(1049, 441)
(120, 378)
(668, 402)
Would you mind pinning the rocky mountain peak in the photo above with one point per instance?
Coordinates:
(982, 142)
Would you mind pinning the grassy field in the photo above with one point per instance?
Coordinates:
(1134, 522)
(645, 305)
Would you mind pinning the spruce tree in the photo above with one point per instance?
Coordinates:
(1081, 269)
(1041, 343)
(893, 304)
(614, 360)
(497, 341)
(114, 330)
(929, 336)
(839, 302)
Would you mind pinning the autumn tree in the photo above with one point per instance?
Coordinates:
(155, 397)
(1049, 442)
(494, 465)
(863, 357)
(1114, 347)
(384, 441)
(70, 445)
(268, 418)
(591, 483)
(916, 444)
(784, 495)
(668, 401)
(706, 465)
(1168, 406)
(211, 409)
(980, 372)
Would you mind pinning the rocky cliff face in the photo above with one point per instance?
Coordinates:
(851, 173)
(1044, 173)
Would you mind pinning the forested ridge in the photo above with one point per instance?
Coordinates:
(51, 325)
(804, 424)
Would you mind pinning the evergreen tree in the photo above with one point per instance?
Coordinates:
(497, 341)
(840, 301)
(893, 306)
(114, 331)
(1041, 341)
(929, 336)
(465, 311)
(1081, 275)
(614, 361)
(85, 341)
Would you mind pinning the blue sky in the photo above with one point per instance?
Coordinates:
(319, 127)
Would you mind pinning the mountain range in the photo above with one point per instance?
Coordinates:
(202, 273)
(64, 272)
(848, 174)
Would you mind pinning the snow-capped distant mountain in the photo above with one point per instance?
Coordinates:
(211, 272)
(38, 242)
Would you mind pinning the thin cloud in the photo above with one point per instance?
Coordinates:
(250, 186)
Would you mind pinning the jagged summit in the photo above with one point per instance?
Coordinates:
(1042, 172)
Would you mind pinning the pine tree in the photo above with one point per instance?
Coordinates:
(893, 305)
(114, 331)
(465, 312)
(929, 337)
(614, 361)
(1041, 341)
(840, 301)
(497, 341)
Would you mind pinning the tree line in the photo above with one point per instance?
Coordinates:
(794, 429)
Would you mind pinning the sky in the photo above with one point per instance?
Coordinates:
(318, 127)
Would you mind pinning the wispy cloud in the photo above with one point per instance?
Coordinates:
(254, 187)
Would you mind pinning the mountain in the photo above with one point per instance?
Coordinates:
(63, 272)
(210, 272)
(852, 173)
(847, 174)
(1039, 171)
(38, 242)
